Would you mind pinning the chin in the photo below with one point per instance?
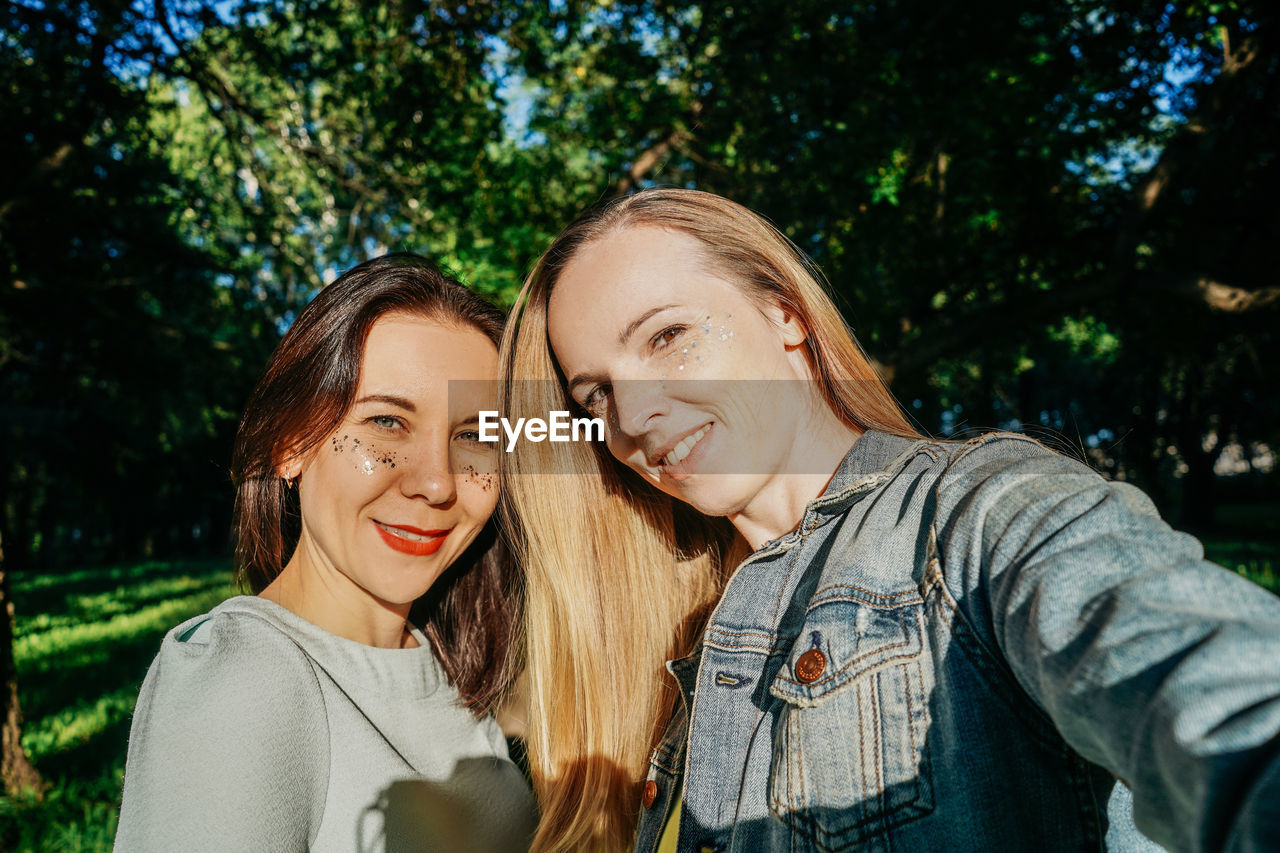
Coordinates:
(401, 595)
(715, 494)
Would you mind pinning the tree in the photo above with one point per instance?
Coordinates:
(122, 357)
(1000, 197)
(1059, 217)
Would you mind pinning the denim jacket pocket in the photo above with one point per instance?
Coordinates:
(849, 760)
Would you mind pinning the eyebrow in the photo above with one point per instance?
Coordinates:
(407, 405)
(583, 378)
(639, 321)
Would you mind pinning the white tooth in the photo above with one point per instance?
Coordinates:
(404, 534)
(685, 447)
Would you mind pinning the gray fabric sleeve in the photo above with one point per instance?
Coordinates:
(1150, 661)
(229, 748)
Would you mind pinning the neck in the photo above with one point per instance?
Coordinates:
(820, 447)
(314, 589)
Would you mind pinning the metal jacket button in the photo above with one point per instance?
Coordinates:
(810, 666)
(650, 794)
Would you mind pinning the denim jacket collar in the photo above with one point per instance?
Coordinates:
(873, 460)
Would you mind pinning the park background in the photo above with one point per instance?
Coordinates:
(1059, 217)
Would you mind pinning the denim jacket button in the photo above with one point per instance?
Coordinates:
(650, 794)
(810, 666)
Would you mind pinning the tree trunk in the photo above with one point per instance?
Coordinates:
(16, 771)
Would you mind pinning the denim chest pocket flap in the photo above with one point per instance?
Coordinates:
(848, 754)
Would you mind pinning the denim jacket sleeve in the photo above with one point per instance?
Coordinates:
(1150, 661)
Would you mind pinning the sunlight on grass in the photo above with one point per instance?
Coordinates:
(79, 723)
(113, 575)
(121, 600)
(77, 815)
(83, 639)
(91, 642)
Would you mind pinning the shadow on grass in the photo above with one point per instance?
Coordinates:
(53, 593)
(86, 610)
(91, 758)
(61, 686)
(87, 637)
(77, 814)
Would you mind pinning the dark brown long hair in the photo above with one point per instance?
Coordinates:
(471, 613)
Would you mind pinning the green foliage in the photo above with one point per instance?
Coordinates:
(1050, 215)
(1017, 209)
(125, 358)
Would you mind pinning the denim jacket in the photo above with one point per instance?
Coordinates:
(976, 647)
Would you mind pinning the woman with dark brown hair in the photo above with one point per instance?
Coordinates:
(345, 705)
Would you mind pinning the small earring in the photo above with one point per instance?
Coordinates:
(288, 482)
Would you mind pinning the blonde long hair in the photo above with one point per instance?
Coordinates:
(619, 577)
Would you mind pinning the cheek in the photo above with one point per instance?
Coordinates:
(707, 341)
(477, 493)
(479, 475)
(365, 457)
(633, 458)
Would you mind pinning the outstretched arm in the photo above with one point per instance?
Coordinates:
(1150, 661)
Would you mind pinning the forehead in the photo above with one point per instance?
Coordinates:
(410, 354)
(614, 278)
(634, 256)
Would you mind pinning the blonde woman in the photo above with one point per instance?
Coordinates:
(766, 614)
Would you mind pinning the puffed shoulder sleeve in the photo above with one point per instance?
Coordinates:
(1150, 661)
(229, 748)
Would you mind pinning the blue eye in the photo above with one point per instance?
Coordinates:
(386, 422)
(472, 437)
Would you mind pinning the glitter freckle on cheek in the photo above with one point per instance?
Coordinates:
(483, 479)
(372, 459)
(726, 328)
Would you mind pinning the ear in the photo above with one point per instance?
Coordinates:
(789, 326)
(291, 468)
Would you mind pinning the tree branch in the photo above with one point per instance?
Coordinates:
(647, 160)
(1182, 149)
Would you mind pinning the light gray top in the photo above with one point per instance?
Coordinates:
(256, 730)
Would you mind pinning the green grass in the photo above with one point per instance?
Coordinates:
(85, 639)
(1255, 560)
(83, 642)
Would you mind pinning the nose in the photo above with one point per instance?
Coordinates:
(428, 472)
(636, 403)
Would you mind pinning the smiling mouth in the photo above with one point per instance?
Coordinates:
(411, 540)
(684, 447)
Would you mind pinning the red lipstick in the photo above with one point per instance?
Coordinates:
(413, 547)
